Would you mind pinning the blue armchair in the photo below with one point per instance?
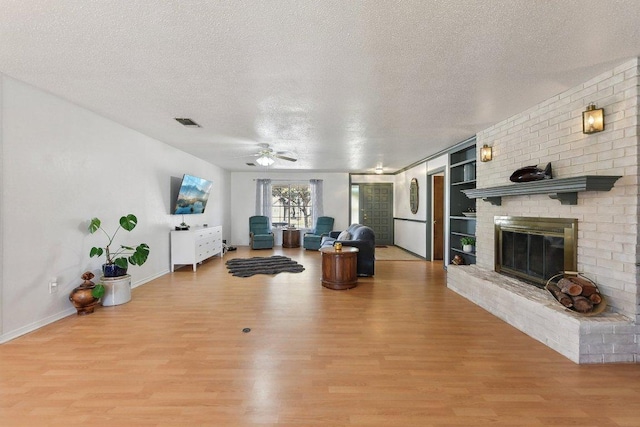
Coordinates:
(313, 238)
(260, 233)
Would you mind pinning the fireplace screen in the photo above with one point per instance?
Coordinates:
(535, 249)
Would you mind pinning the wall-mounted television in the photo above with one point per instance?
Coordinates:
(192, 195)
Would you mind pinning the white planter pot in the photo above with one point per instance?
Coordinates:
(117, 290)
(467, 248)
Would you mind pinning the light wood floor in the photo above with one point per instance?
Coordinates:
(394, 253)
(398, 350)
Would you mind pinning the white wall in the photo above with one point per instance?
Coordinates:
(372, 179)
(437, 163)
(402, 209)
(1, 205)
(410, 230)
(61, 166)
(243, 200)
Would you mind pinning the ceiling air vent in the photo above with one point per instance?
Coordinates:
(187, 122)
(250, 164)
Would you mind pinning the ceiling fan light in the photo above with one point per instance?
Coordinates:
(264, 161)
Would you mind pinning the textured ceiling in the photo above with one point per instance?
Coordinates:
(344, 85)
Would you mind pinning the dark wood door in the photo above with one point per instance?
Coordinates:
(376, 210)
(438, 217)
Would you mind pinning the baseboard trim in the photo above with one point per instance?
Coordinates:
(62, 314)
(36, 325)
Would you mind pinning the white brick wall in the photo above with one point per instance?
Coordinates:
(608, 238)
(552, 132)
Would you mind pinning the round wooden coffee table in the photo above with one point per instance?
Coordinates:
(339, 268)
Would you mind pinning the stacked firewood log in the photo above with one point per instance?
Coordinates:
(576, 293)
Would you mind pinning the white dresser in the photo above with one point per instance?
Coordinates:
(195, 245)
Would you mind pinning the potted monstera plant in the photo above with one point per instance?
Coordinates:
(118, 257)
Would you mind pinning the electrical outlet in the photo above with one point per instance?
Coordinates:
(53, 285)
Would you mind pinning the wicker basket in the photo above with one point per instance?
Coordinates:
(597, 308)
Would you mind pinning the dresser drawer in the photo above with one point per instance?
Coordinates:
(194, 246)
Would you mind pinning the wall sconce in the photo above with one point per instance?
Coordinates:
(379, 170)
(592, 119)
(486, 153)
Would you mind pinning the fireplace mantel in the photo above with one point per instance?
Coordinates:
(565, 189)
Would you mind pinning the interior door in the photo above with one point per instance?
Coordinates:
(376, 210)
(438, 217)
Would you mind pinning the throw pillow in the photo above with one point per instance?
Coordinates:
(345, 235)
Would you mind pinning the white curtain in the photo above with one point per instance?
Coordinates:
(263, 198)
(316, 200)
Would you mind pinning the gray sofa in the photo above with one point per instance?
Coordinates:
(361, 237)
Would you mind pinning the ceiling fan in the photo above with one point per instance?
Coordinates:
(266, 156)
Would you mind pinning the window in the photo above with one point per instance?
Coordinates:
(291, 205)
(355, 204)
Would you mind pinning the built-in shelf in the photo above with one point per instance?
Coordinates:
(462, 176)
(565, 189)
(460, 251)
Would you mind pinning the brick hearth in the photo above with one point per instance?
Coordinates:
(608, 337)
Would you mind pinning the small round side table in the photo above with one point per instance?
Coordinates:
(339, 268)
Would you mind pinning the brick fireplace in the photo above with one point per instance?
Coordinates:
(607, 221)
